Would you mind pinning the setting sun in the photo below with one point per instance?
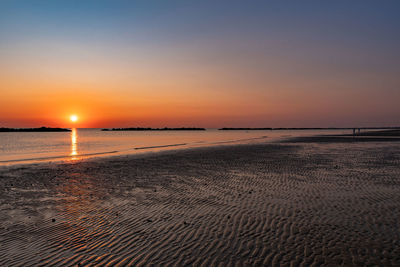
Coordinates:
(73, 118)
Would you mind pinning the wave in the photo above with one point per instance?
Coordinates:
(58, 157)
(150, 147)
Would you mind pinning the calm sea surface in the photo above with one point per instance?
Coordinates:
(25, 147)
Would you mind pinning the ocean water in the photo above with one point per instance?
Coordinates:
(26, 147)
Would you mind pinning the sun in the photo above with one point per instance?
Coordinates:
(73, 118)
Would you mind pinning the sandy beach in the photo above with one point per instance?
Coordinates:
(290, 204)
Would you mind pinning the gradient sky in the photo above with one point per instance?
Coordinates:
(200, 63)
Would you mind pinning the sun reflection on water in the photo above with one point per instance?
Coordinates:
(74, 143)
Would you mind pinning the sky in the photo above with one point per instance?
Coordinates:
(200, 63)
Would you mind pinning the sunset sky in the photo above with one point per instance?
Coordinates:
(200, 63)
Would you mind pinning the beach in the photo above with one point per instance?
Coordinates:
(267, 204)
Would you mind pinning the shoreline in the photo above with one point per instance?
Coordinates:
(111, 156)
(369, 136)
(128, 151)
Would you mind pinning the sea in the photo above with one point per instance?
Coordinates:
(31, 147)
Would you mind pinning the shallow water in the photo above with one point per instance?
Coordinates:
(26, 147)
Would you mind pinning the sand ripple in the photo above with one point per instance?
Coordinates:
(260, 205)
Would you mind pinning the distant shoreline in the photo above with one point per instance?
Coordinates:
(329, 128)
(155, 129)
(41, 129)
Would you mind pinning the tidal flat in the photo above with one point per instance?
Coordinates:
(269, 204)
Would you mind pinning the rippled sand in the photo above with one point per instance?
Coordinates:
(266, 204)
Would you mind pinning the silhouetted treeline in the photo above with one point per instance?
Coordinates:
(243, 129)
(41, 129)
(329, 128)
(155, 129)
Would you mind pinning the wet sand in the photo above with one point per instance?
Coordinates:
(259, 204)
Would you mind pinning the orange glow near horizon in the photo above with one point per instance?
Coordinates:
(263, 65)
(102, 97)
